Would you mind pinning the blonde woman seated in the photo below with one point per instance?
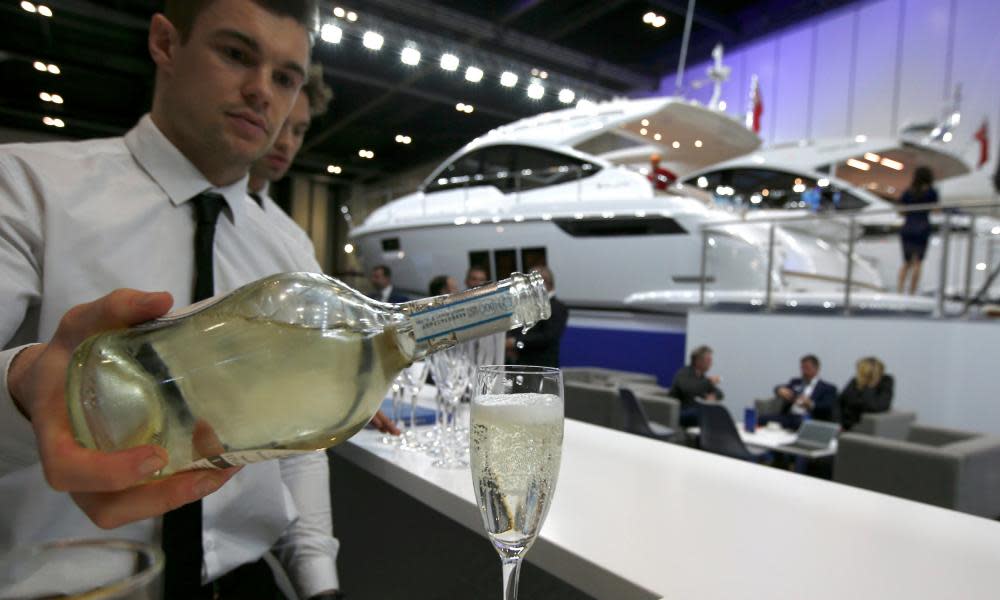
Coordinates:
(869, 391)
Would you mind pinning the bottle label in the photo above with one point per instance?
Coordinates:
(238, 459)
(466, 319)
(180, 313)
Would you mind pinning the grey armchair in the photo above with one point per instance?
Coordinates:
(944, 467)
(601, 375)
(767, 407)
(891, 424)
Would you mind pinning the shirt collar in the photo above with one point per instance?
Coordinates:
(173, 172)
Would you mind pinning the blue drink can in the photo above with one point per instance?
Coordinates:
(750, 419)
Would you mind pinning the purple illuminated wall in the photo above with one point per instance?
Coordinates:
(870, 68)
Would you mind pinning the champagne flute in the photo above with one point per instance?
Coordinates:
(515, 447)
(451, 375)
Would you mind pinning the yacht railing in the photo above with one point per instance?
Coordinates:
(850, 220)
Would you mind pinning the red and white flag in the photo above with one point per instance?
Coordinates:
(756, 106)
(983, 137)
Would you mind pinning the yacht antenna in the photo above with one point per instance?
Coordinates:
(718, 73)
(684, 47)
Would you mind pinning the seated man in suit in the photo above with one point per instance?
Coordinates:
(807, 395)
(381, 279)
(693, 383)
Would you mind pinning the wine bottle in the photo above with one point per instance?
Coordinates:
(291, 363)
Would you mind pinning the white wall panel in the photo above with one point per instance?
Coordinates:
(923, 60)
(875, 68)
(794, 83)
(832, 76)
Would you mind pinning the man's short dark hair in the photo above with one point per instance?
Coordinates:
(316, 91)
(385, 270)
(699, 352)
(484, 270)
(811, 358)
(183, 13)
(437, 285)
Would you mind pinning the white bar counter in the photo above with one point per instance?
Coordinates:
(639, 518)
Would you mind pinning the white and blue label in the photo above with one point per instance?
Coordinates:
(466, 319)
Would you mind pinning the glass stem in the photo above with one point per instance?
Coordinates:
(511, 572)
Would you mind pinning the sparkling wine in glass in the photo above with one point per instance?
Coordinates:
(515, 448)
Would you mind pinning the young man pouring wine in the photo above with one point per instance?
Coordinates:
(85, 225)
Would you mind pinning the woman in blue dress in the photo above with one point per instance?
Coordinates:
(916, 231)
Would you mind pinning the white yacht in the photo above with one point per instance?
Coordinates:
(553, 189)
(867, 175)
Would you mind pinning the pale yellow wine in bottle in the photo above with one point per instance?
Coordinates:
(290, 363)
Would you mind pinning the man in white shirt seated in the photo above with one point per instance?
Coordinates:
(78, 220)
(803, 396)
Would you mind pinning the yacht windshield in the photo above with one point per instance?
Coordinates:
(771, 189)
(511, 168)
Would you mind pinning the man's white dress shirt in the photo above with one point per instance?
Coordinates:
(79, 219)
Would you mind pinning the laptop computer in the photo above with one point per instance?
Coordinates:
(813, 437)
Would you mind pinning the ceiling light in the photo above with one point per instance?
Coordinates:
(333, 169)
(53, 69)
(45, 11)
(947, 137)
(823, 182)
(53, 122)
(460, 107)
(861, 138)
(765, 192)
(645, 122)
(469, 108)
(980, 266)
(28, 6)
(660, 21)
(339, 12)
(508, 79)
(697, 144)
(536, 91)
(449, 62)
(331, 33)
(722, 105)
(45, 96)
(676, 144)
(892, 164)
(544, 74)
(643, 131)
(474, 74)
(657, 137)
(798, 188)
(366, 154)
(57, 99)
(566, 96)
(352, 16)
(373, 40)
(703, 182)
(872, 157)
(39, 65)
(410, 56)
(649, 18)
(857, 164)
(348, 248)
(403, 139)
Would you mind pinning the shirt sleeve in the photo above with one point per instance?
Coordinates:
(17, 438)
(307, 549)
(20, 289)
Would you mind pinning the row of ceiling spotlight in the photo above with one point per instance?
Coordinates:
(411, 55)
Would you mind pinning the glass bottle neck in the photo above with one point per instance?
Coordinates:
(443, 321)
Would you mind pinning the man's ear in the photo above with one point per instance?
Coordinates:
(164, 40)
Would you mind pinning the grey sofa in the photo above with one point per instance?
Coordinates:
(600, 375)
(944, 467)
(599, 404)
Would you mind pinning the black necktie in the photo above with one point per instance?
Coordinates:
(182, 527)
